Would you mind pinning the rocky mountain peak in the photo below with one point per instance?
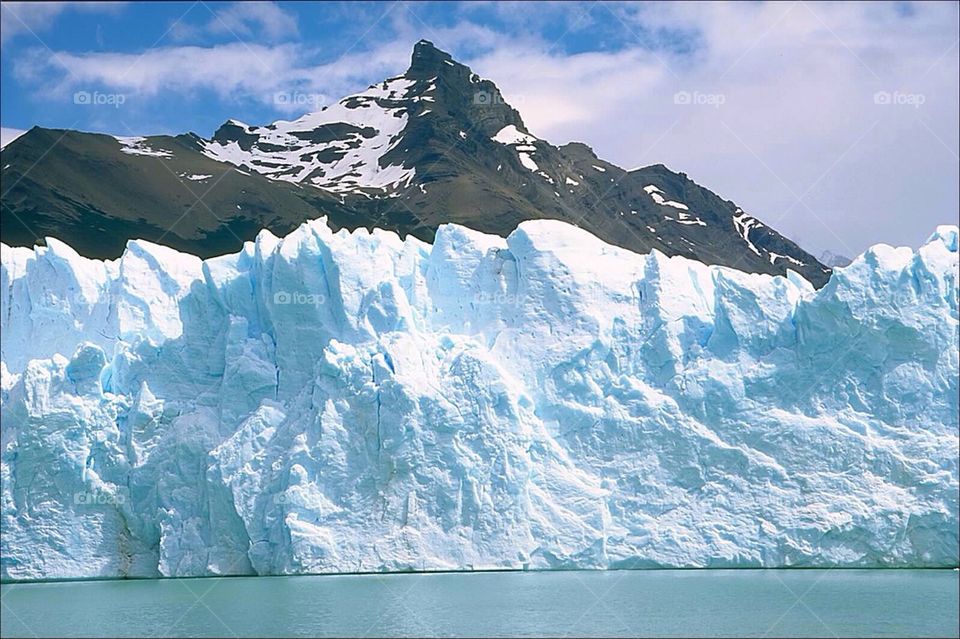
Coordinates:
(474, 102)
(428, 60)
(436, 145)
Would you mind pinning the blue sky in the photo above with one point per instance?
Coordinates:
(835, 123)
(297, 39)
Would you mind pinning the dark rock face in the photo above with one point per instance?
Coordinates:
(83, 189)
(436, 145)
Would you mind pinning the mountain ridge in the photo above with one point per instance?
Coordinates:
(437, 144)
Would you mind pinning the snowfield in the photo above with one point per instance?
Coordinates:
(333, 402)
(337, 148)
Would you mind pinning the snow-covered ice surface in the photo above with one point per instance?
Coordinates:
(333, 402)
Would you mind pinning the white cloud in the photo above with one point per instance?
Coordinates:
(246, 18)
(231, 71)
(24, 18)
(8, 135)
(226, 69)
(798, 116)
(265, 21)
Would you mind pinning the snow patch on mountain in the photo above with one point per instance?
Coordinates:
(139, 146)
(744, 224)
(523, 144)
(776, 256)
(334, 402)
(510, 134)
(656, 194)
(338, 148)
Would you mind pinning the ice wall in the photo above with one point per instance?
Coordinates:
(335, 402)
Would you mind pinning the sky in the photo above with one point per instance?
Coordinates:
(835, 123)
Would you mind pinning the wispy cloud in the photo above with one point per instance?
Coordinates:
(232, 71)
(228, 70)
(264, 21)
(22, 18)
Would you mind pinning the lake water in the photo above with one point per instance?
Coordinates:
(622, 603)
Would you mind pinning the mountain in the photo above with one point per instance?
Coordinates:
(436, 145)
(834, 260)
(336, 402)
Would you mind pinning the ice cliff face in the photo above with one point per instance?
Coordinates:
(354, 402)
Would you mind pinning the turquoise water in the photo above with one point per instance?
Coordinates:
(759, 603)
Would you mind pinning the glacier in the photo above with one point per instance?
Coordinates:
(353, 402)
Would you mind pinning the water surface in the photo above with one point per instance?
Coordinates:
(829, 603)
